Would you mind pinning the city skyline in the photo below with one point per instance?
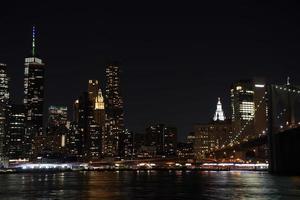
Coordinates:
(149, 100)
(161, 68)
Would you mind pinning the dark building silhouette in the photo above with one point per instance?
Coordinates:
(90, 131)
(57, 120)
(170, 141)
(163, 138)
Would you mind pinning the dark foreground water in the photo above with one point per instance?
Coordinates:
(149, 185)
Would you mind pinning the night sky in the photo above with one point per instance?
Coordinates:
(176, 58)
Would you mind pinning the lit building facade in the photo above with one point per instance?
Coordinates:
(99, 109)
(33, 98)
(248, 106)
(213, 135)
(16, 130)
(113, 140)
(128, 144)
(4, 109)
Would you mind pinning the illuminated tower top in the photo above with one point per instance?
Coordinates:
(219, 114)
(99, 101)
(33, 59)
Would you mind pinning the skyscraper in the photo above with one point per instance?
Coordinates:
(212, 135)
(4, 108)
(163, 138)
(90, 132)
(93, 88)
(114, 129)
(170, 141)
(57, 128)
(248, 107)
(154, 137)
(99, 109)
(97, 100)
(33, 97)
(57, 120)
(16, 130)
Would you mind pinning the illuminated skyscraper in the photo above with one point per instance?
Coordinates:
(248, 107)
(34, 97)
(4, 108)
(99, 109)
(114, 129)
(97, 100)
(16, 129)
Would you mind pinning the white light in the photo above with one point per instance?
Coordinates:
(259, 85)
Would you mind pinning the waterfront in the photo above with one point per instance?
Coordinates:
(149, 185)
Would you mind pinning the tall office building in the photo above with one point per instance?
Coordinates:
(99, 109)
(76, 111)
(34, 97)
(170, 141)
(56, 129)
(57, 120)
(128, 144)
(163, 138)
(90, 131)
(93, 88)
(16, 130)
(213, 135)
(97, 100)
(154, 137)
(113, 140)
(248, 108)
(4, 109)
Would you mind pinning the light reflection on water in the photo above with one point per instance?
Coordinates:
(149, 185)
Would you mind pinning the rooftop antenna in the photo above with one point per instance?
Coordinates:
(33, 41)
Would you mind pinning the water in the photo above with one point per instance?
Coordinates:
(152, 185)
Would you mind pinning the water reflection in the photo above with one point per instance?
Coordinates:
(149, 185)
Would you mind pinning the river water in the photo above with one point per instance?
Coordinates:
(152, 185)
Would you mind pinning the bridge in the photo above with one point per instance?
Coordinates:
(280, 140)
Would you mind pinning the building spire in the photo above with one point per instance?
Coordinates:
(33, 41)
(288, 81)
(219, 114)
